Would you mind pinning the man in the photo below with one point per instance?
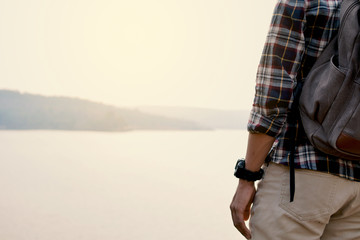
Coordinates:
(327, 201)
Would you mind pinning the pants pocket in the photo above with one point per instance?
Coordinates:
(314, 195)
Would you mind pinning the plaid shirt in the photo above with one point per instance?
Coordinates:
(299, 31)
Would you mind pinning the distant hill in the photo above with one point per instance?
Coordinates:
(29, 111)
(212, 118)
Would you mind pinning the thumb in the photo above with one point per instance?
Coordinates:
(247, 210)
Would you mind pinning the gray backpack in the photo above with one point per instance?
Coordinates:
(328, 100)
(329, 103)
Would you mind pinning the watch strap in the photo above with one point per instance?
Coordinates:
(243, 173)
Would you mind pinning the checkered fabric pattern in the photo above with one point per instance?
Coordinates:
(299, 31)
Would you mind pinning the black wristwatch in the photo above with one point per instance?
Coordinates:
(242, 173)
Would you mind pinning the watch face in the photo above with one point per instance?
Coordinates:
(240, 164)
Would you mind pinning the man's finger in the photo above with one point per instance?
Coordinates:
(243, 229)
(239, 223)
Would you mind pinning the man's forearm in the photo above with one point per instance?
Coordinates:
(258, 147)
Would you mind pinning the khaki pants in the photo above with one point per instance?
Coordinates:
(325, 207)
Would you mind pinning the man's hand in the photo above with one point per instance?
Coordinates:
(259, 145)
(240, 206)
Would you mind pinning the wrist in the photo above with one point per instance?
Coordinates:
(246, 182)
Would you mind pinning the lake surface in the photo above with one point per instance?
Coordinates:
(153, 185)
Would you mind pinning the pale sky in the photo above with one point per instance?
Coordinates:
(195, 53)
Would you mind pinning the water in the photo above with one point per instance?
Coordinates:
(152, 185)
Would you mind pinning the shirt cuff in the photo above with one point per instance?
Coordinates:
(259, 123)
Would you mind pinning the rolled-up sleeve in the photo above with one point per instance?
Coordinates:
(278, 68)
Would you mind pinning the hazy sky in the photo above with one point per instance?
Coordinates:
(199, 53)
